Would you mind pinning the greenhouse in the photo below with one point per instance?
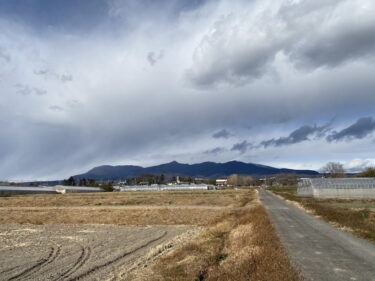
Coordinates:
(337, 187)
(167, 187)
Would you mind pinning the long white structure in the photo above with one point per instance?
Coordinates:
(337, 187)
(19, 190)
(76, 189)
(167, 187)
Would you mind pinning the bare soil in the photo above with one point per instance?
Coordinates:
(89, 252)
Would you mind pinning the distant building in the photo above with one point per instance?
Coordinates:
(337, 187)
(167, 187)
(221, 182)
(200, 180)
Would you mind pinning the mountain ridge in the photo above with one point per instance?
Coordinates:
(204, 169)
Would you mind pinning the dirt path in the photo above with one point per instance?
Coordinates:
(322, 251)
(68, 252)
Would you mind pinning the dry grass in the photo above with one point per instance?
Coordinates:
(109, 208)
(152, 216)
(350, 214)
(160, 198)
(240, 245)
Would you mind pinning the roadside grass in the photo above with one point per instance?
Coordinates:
(353, 215)
(160, 198)
(239, 245)
(286, 189)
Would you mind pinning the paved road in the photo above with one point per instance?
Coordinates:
(323, 252)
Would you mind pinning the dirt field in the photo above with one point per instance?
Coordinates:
(62, 252)
(181, 235)
(156, 198)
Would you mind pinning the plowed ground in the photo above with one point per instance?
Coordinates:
(73, 252)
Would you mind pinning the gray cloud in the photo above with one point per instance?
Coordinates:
(153, 57)
(4, 56)
(359, 130)
(241, 147)
(66, 77)
(56, 108)
(215, 150)
(27, 90)
(53, 75)
(221, 134)
(299, 135)
(121, 112)
(239, 49)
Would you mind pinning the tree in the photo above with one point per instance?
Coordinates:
(286, 179)
(92, 182)
(368, 173)
(233, 180)
(162, 178)
(247, 181)
(70, 181)
(333, 170)
(82, 182)
(108, 186)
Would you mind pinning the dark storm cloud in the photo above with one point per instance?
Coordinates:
(240, 49)
(41, 15)
(359, 130)
(120, 110)
(241, 147)
(299, 135)
(221, 134)
(334, 48)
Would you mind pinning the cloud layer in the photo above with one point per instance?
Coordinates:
(143, 82)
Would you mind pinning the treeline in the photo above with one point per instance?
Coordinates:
(368, 173)
(81, 182)
(277, 180)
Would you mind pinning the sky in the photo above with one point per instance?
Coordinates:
(285, 83)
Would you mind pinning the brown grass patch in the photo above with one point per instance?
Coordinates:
(160, 216)
(159, 198)
(239, 245)
(359, 221)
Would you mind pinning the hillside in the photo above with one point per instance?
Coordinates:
(205, 169)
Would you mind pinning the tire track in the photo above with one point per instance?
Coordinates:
(9, 270)
(108, 263)
(82, 260)
(54, 253)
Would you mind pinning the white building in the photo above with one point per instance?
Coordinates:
(337, 187)
(221, 182)
(167, 187)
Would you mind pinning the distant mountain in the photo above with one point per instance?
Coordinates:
(205, 169)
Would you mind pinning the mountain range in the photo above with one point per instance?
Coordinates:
(205, 169)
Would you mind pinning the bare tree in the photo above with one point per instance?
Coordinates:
(233, 180)
(333, 170)
(286, 179)
(247, 180)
